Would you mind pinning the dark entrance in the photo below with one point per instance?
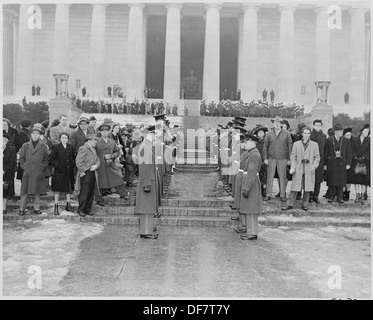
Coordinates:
(228, 58)
(155, 56)
(192, 51)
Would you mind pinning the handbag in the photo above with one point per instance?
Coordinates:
(288, 175)
(361, 169)
(5, 185)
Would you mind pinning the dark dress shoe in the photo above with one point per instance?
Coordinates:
(305, 208)
(234, 218)
(22, 212)
(149, 236)
(82, 214)
(283, 199)
(277, 195)
(340, 201)
(69, 207)
(316, 200)
(246, 237)
(365, 196)
(56, 213)
(101, 203)
(37, 212)
(240, 230)
(287, 208)
(266, 198)
(88, 213)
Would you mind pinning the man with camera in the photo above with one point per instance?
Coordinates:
(304, 158)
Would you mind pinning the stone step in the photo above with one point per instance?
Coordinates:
(197, 166)
(203, 211)
(201, 171)
(205, 222)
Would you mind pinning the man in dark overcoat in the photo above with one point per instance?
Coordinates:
(34, 161)
(319, 137)
(337, 160)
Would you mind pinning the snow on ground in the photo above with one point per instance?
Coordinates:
(49, 244)
(315, 250)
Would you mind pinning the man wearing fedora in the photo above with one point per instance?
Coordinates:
(87, 163)
(78, 137)
(110, 172)
(337, 161)
(276, 152)
(33, 161)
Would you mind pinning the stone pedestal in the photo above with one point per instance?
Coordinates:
(63, 106)
(61, 84)
(324, 112)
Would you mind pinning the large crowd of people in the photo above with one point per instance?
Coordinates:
(141, 108)
(96, 160)
(264, 109)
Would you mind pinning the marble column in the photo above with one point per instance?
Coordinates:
(135, 58)
(367, 62)
(322, 71)
(239, 60)
(286, 61)
(249, 53)
(61, 39)
(98, 29)
(25, 52)
(8, 55)
(211, 63)
(357, 58)
(173, 54)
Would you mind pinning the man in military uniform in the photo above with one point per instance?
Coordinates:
(147, 189)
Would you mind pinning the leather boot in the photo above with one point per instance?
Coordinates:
(69, 207)
(362, 198)
(264, 192)
(346, 195)
(365, 195)
(357, 200)
(56, 213)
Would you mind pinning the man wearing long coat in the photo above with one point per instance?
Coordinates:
(251, 200)
(337, 160)
(33, 161)
(319, 137)
(110, 172)
(147, 193)
(305, 158)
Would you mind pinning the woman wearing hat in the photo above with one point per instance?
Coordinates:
(12, 132)
(34, 161)
(9, 164)
(251, 199)
(360, 146)
(260, 132)
(347, 133)
(337, 161)
(62, 158)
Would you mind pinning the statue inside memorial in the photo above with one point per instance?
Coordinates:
(322, 91)
(191, 87)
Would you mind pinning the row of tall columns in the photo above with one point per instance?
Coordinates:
(21, 61)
